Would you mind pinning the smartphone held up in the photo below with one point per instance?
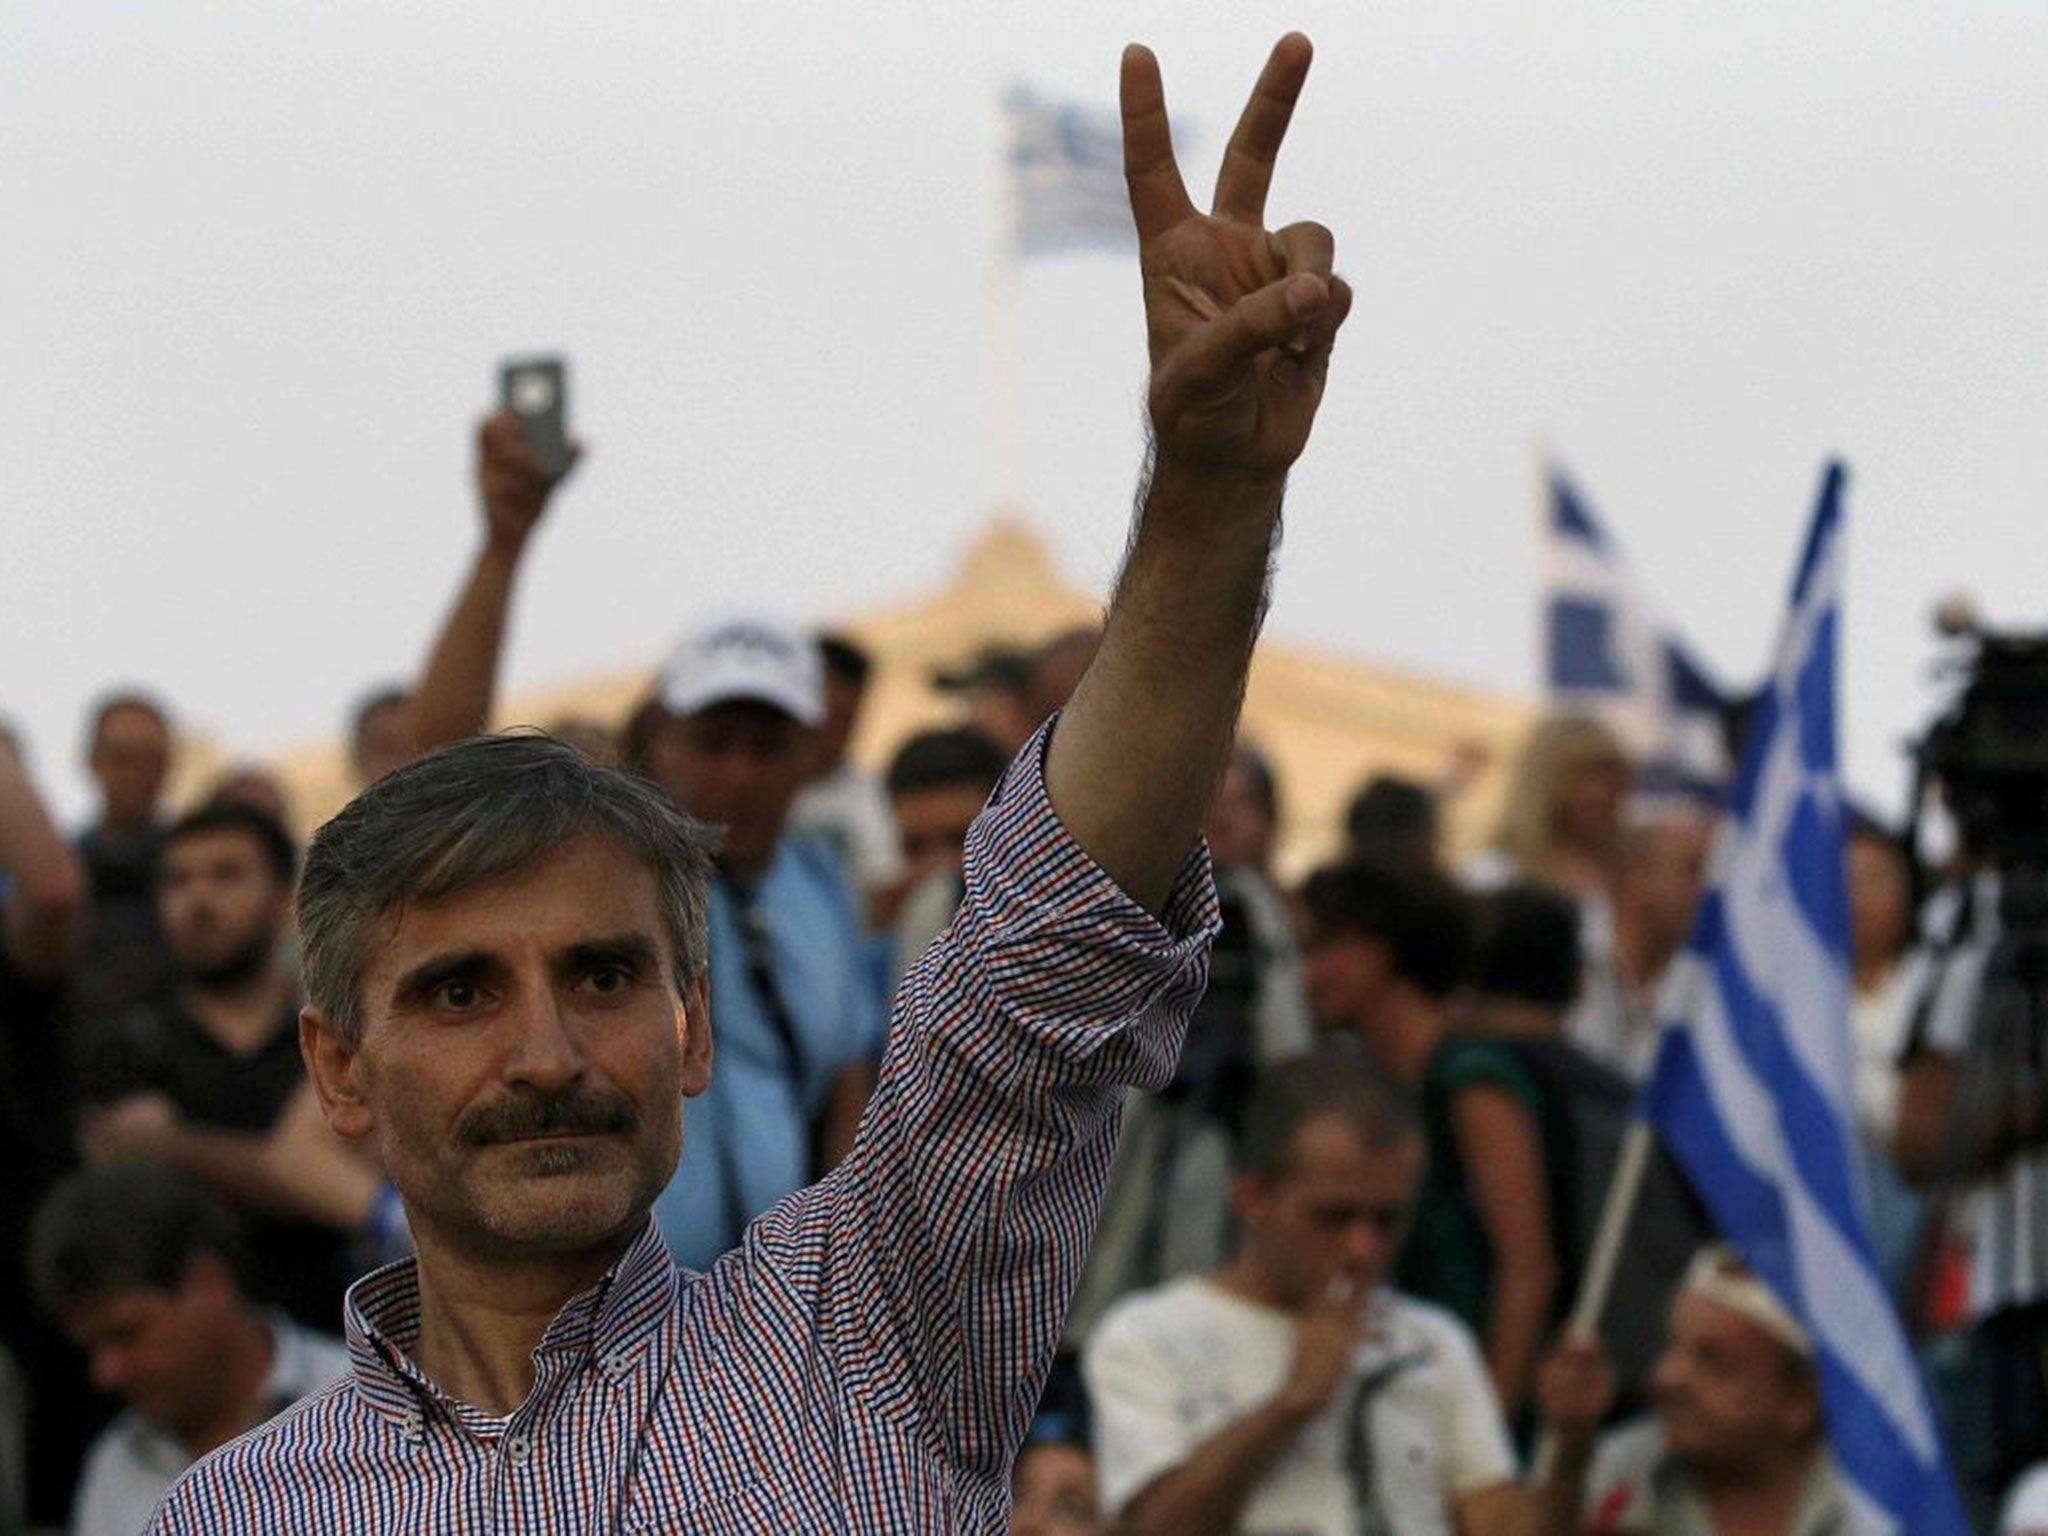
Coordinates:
(536, 390)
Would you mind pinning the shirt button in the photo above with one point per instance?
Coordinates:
(519, 1447)
(616, 1364)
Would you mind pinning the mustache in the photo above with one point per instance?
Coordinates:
(576, 1111)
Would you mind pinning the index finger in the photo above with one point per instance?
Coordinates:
(1159, 199)
(1247, 170)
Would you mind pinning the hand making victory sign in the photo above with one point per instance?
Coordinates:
(1240, 320)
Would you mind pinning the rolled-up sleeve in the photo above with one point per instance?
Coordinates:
(968, 1204)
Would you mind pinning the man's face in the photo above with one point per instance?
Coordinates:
(1337, 1212)
(524, 1057)
(383, 741)
(155, 1350)
(1346, 974)
(131, 755)
(1724, 1393)
(933, 822)
(222, 906)
(738, 765)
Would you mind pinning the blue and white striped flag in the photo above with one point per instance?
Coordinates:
(1608, 653)
(1066, 173)
(1751, 1088)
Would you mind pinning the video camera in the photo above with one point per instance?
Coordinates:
(1988, 753)
(1989, 750)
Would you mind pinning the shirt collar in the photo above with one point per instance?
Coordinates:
(610, 1324)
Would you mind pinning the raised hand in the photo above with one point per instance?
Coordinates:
(1239, 319)
(514, 488)
(1575, 1388)
(454, 696)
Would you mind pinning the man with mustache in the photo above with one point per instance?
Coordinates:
(505, 967)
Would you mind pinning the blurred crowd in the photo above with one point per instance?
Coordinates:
(1330, 1284)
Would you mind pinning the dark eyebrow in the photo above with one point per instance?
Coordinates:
(635, 952)
(435, 972)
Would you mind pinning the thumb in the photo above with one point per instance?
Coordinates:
(1264, 318)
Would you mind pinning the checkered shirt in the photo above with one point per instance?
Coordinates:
(869, 1357)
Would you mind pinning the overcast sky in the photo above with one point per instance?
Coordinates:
(262, 259)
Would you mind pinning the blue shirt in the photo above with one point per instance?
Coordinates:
(747, 1138)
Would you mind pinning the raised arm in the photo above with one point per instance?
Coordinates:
(953, 1233)
(39, 915)
(454, 697)
(1239, 322)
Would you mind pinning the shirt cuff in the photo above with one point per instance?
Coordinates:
(1057, 934)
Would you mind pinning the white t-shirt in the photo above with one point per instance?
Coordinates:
(1169, 1368)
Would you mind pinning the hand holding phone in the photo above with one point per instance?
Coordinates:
(523, 450)
(536, 390)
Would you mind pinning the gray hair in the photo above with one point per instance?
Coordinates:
(474, 813)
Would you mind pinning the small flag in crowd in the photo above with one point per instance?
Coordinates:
(1066, 174)
(1607, 653)
(1751, 1088)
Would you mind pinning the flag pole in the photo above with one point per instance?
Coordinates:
(1596, 1282)
(1001, 391)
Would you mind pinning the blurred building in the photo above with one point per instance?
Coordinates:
(1326, 721)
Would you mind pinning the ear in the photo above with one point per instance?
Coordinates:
(335, 1070)
(694, 1015)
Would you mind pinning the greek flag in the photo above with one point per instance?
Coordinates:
(1066, 174)
(1751, 1088)
(1608, 653)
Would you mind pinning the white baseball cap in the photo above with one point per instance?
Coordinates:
(749, 657)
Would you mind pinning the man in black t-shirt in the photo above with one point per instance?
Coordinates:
(191, 1076)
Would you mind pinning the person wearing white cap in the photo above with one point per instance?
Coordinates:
(1737, 1445)
(798, 1009)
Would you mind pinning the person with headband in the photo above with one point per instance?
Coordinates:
(1736, 1444)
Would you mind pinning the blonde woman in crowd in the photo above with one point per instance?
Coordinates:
(1560, 823)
